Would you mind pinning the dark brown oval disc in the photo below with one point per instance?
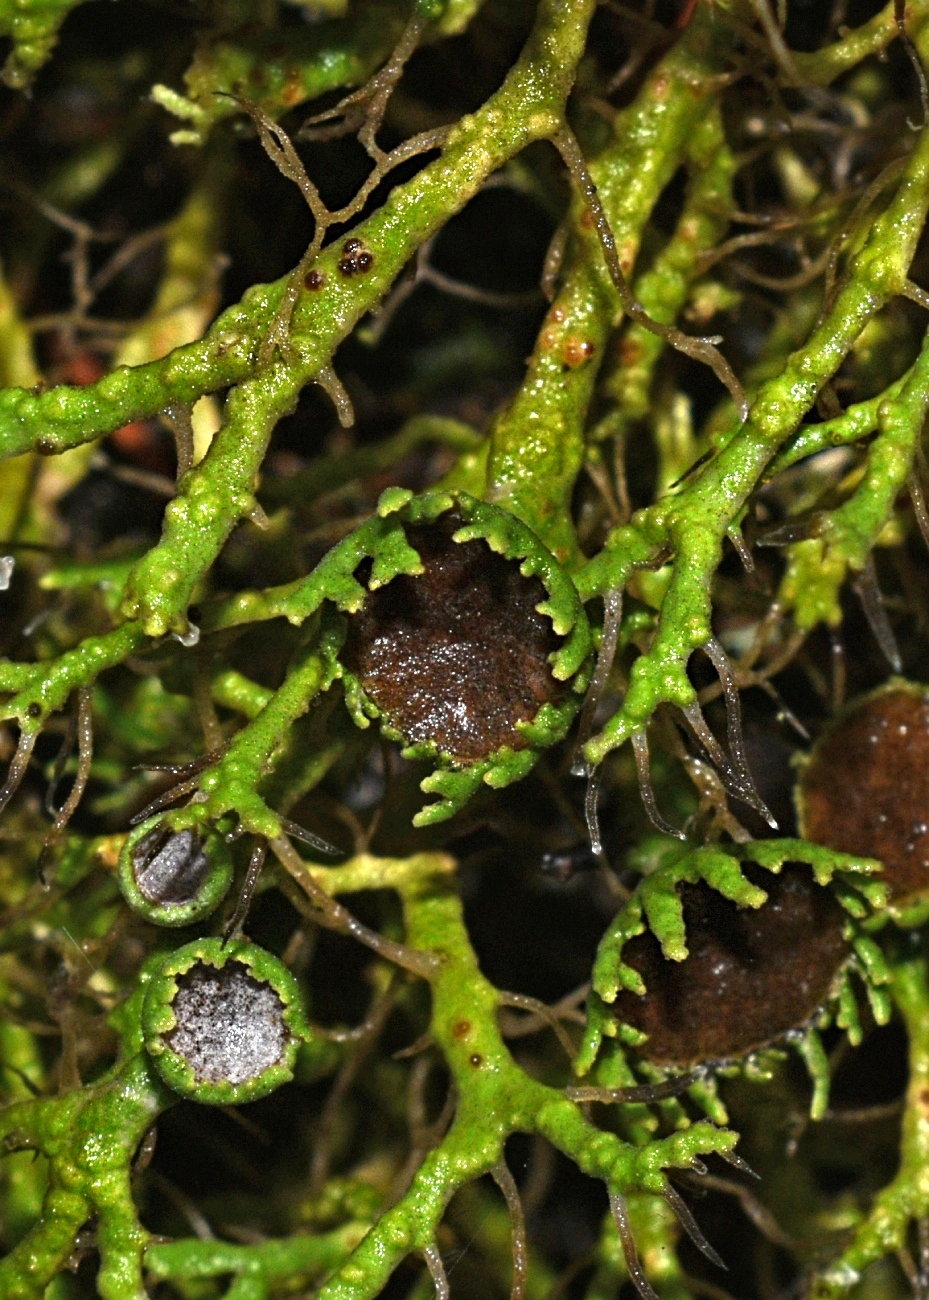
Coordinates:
(865, 788)
(751, 974)
(459, 654)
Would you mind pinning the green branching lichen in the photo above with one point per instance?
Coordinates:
(304, 430)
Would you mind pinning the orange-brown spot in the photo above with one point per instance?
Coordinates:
(461, 1029)
(586, 220)
(576, 351)
(293, 88)
(630, 352)
(661, 85)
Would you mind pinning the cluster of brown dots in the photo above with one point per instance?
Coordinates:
(355, 259)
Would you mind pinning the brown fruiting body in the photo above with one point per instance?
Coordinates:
(751, 974)
(459, 654)
(865, 788)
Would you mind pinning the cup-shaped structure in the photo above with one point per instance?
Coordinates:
(473, 653)
(750, 977)
(173, 877)
(222, 1024)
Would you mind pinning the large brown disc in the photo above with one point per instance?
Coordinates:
(458, 655)
(865, 788)
(751, 974)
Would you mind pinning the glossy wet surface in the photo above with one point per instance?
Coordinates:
(459, 654)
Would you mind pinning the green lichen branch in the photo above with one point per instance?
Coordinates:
(542, 434)
(215, 495)
(885, 1230)
(693, 522)
(89, 1137)
(495, 1097)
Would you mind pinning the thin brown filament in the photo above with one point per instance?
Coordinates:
(362, 111)
(700, 349)
(507, 1184)
(234, 925)
(60, 763)
(437, 1269)
(868, 591)
(334, 916)
(612, 620)
(545, 1013)
(918, 498)
(646, 792)
(298, 832)
(690, 1225)
(770, 234)
(913, 55)
(179, 419)
(85, 753)
(916, 294)
(646, 1092)
(337, 393)
(326, 1126)
(591, 814)
(280, 149)
(781, 54)
(620, 1212)
(741, 549)
(737, 1162)
(752, 1207)
(554, 259)
(425, 1139)
(18, 766)
(720, 661)
(184, 770)
(786, 283)
(165, 799)
(885, 177)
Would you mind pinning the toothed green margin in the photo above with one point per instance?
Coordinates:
(656, 905)
(885, 1229)
(507, 536)
(158, 1020)
(212, 889)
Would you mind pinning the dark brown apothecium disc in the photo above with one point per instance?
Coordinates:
(459, 654)
(865, 788)
(752, 974)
